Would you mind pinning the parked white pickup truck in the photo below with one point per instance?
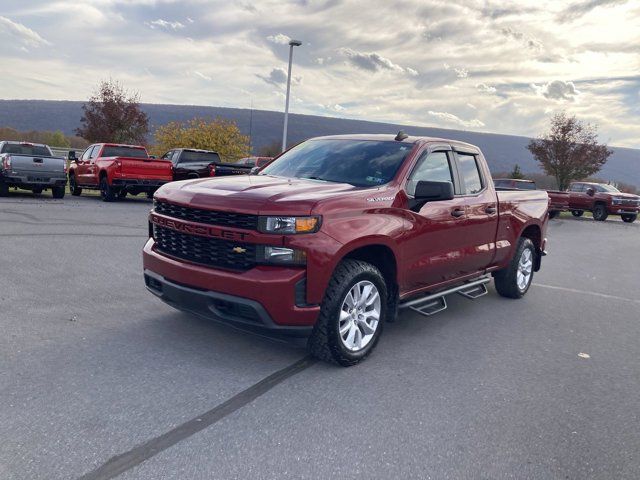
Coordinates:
(31, 166)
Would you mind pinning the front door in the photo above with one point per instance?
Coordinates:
(433, 249)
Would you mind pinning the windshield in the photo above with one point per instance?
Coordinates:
(26, 149)
(193, 157)
(124, 152)
(362, 163)
(607, 188)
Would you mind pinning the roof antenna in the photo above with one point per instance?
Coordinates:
(401, 136)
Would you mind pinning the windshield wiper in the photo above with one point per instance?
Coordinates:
(318, 178)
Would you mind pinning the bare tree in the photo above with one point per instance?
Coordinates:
(113, 115)
(570, 150)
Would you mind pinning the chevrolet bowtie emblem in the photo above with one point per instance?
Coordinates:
(239, 249)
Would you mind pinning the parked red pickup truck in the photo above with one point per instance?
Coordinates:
(117, 170)
(340, 232)
(602, 200)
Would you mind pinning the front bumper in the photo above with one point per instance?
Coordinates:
(622, 210)
(262, 298)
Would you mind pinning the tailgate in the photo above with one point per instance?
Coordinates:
(227, 169)
(38, 166)
(145, 168)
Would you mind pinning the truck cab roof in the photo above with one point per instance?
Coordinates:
(409, 139)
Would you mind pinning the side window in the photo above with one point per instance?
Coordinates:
(87, 152)
(176, 156)
(167, 156)
(434, 167)
(576, 187)
(470, 173)
(95, 151)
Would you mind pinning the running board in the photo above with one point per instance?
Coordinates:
(431, 304)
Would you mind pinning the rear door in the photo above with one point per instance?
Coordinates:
(578, 198)
(82, 165)
(433, 252)
(481, 210)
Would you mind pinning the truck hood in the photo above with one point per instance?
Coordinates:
(260, 194)
(622, 195)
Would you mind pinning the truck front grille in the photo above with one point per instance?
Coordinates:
(209, 217)
(208, 251)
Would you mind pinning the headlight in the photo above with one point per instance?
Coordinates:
(289, 224)
(281, 255)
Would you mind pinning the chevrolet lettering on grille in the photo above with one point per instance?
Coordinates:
(201, 230)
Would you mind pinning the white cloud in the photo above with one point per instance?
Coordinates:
(280, 39)
(483, 87)
(18, 32)
(164, 24)
(557, 90)
(202, 76)
(450, 118)
(373, 62)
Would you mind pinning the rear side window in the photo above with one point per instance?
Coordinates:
(434, 167)
(189, 156)
(470, 173)
(576, 187)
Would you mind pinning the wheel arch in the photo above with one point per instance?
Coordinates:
(534, 233)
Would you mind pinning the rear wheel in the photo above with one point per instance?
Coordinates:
(629, 217)
(58, 192)
(577, 213)
(73, 186)
(352, 314)
(4, 189)
(106, 192)
(515, 280)
(600, 213)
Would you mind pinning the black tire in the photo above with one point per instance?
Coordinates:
(58, 192)
(73, 186)
(122, 193)
(106, 192)
(150, 195)
(629, 217)
(577, 213)
(600, 213)
(325, 341)
(506, 280)
(4, 189)
(553, 213)
(36, 190)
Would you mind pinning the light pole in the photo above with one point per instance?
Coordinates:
(292, 43)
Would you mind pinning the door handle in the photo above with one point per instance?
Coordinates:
(458, 212)
(490, 210)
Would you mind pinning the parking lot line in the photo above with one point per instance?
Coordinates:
(586, 292)
(125, 461)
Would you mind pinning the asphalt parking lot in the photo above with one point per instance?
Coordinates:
(99, 378)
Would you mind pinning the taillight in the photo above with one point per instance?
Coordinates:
(212, 170)
(6, 162)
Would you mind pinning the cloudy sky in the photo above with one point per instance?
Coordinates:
(494, 66)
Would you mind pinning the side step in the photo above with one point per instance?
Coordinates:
(431, 304)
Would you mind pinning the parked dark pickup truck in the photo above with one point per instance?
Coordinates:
(337, 234)
(558, 201)
(602, 200)
(117, 170)
(193, 163)
(31, 166)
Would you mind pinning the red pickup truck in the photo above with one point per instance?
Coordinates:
(602, 200)
(337, 234)
(117, 170)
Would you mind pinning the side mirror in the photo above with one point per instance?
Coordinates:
(72, 155)
(591, 192)
(254, 170)
(427, 191)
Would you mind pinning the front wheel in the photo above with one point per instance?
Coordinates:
(73, 186)
(629, 217)
(600, 213)
(514, 280)
(577, 213)
(352, 314)
(106, 192)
